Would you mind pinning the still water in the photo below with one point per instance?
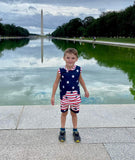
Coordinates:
(28, 69)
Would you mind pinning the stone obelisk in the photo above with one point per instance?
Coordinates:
(42, 33)
(42, 39)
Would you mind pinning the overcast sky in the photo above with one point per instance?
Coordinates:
(26, 13)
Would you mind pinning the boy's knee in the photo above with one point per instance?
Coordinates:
(64, 114)
(73, 114)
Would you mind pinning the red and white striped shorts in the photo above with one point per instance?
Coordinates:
(71, 99)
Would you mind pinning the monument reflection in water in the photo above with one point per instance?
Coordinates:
(42, 50)
(28, 69)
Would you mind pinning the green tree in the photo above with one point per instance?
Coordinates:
(12, 30)
(109, 24)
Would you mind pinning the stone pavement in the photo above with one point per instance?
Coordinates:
(31, 133)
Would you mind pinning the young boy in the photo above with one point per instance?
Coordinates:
(69, 78)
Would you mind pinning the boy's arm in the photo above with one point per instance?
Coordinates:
(55, 86)
(83, 85)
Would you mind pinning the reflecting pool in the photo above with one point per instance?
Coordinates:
(28, 70)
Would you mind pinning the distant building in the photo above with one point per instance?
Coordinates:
(42, 32)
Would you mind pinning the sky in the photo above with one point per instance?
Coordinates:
(27, 13)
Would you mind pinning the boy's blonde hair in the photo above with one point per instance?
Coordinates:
(71, 51)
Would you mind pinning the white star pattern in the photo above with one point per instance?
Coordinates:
(67, 82)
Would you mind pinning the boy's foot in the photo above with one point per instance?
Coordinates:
(62, 136)
(76, 136)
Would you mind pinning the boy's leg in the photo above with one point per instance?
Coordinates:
(76, 135)
(62, 130)
(63, 119)
(74, 119)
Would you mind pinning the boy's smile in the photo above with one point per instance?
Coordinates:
(70, 60)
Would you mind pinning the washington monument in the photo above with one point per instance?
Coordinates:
(42, 33)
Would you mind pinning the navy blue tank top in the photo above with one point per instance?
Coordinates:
(69, 80)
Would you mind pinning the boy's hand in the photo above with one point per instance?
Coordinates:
(87, 94)
(52, 100)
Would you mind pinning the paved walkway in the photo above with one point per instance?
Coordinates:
(130, 45)
(31, 133)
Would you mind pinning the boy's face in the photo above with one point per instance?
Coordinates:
(70, 60)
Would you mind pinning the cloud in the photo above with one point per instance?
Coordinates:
(37, 30)
(56, 12)
(32, 8)
(28, 14)
(35, 62)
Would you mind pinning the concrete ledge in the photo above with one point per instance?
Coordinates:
(31, 132)
(96, 144)
(38, 117)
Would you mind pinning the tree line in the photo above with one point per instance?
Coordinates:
(12, 30)
(109, 24)
(12, 44)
